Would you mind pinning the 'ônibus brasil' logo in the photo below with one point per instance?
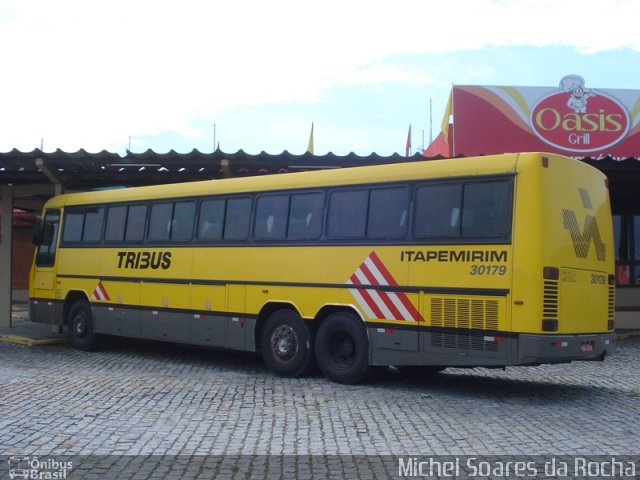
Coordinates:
(579, 119)
(590, 232)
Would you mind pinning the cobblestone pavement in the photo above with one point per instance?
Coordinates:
(147, 398)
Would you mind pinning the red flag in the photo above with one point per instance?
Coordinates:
(407, 149)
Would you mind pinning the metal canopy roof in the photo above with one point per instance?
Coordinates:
(82, 170)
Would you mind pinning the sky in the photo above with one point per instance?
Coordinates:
(255, 74)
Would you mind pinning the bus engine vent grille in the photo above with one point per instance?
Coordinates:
(469, 316)
(612, 302)
(550, 303)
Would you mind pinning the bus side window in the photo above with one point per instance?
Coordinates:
(211, 220)
(348, 213)
(237, 220)
(305, 217)
(272, 212)
(171, 221)
(160, 222)
(183, 216)
(388, 210)
(93, 217)
(82, 225)
(135, 223)
(487, 209)
(438, 210)
(116, 220)
(72, 225)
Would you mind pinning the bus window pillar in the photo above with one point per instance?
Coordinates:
(6, 246)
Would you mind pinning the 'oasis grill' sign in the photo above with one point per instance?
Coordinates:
(570, 118)
(579, 119)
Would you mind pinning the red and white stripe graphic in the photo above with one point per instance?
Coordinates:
(377, 303)
(100, 293)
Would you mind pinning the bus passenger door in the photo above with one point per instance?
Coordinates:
(43, 279)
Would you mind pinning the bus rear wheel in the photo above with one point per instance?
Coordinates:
(80, 323)
(287, 344)
(342, 349)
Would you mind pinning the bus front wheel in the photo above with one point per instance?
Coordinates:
(342, 348)
(81, 334)
(287, 344)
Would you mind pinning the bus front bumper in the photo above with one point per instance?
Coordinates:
(538, 349)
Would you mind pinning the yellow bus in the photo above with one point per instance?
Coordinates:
(489, 261)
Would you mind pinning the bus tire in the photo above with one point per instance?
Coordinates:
(342, 348)
(80, 323)
(286, 344)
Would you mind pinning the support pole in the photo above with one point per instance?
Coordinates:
(6, 245)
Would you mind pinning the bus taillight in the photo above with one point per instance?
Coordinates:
(551, 273)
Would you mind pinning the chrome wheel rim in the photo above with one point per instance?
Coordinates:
(284, 343)
(80, 325)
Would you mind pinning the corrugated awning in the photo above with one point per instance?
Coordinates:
(84, 170)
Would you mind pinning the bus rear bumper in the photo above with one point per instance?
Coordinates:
(537, 349)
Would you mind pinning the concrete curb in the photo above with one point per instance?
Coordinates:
(32, 342)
